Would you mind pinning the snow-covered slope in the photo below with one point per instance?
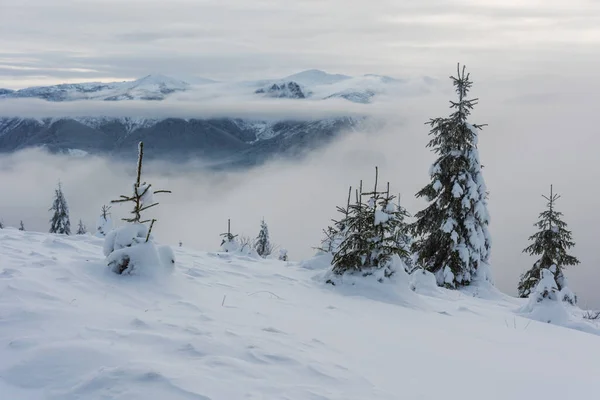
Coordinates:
(225, 327)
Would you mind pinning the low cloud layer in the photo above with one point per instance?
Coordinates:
(534, 139)
(231, 107)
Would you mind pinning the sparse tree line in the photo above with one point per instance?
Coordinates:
(262, 244)
(373, 236)
(449, 238)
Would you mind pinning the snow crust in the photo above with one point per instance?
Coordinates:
(228, 326)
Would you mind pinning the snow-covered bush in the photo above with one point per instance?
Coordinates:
(283, 255)
(544, 301)
(231, 245)
(131, 249)
(230, 242)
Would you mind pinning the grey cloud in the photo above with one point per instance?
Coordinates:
(225, 39)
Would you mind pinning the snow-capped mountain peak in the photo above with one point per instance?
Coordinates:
(150, 87)
(160, 81)
(290, 90)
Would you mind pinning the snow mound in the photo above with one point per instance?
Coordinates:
(424, 282)
(224, 326)
(546, 304)
(321, 261)
(395, 289)
(130, 251)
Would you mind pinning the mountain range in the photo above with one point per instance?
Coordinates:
(226, 141)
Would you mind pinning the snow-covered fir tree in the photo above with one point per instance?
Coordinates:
(262, 244)
(104, 223)
(229, 240)
(130, 249)
(452, 238)
(21, 226)
(550, 244)
(1, 224)
(371, 236)
(81, 229)
(60, 222)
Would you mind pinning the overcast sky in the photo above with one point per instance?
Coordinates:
(535, 65)
(73, 40)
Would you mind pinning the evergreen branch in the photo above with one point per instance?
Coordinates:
(147, 207)
(150, 230)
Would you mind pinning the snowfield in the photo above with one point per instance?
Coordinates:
(232, 327)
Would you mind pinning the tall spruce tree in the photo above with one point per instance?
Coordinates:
(262, 245)
(60, 222)
(453, 240)
(551, 243)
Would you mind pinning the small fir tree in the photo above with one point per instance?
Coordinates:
(142, 197)
(550, 243)
(130, 247)
(81, 229)
(371, 235)
(452, 237)
(228, 243)
(1, 224)
(262, 245)
(60, 222)
(104, 223)
(21, 226)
